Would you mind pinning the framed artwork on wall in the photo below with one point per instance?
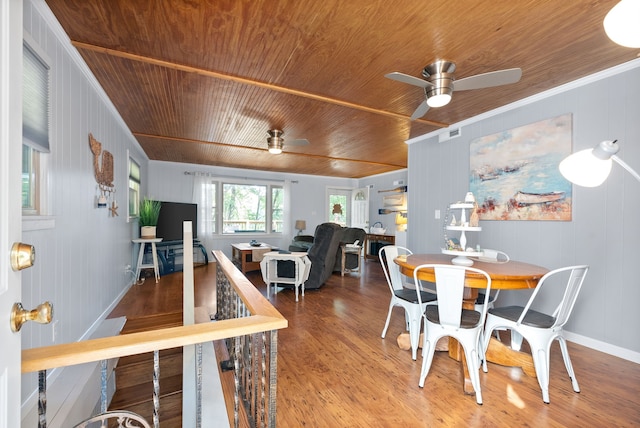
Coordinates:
(514, 174)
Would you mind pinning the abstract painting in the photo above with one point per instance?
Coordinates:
(514, 174)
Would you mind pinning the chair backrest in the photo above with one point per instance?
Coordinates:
(391, 270)
(572, 289)
(450, 283)
(495, 256)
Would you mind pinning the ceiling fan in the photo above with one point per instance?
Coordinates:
(439, 83)
(275, 142)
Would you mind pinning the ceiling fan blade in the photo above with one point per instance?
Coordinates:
(405, 78)
(488, 80)
(420, 111)
(297, 142)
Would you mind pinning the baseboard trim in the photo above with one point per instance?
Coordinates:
(607, 348)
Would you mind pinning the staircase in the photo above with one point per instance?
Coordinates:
(134, 375)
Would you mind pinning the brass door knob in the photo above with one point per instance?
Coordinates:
(19, 315)
(22, 256)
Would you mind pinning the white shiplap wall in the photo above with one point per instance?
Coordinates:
(82, 252)
(604, 232)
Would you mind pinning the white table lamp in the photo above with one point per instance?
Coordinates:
(591, 167)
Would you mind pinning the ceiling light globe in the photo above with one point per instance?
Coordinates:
(622, 23)
(275, 150)
(584, 169)
(439, 100)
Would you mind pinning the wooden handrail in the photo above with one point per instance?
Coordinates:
(265, 318)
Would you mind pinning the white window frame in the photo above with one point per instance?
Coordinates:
(132, 216)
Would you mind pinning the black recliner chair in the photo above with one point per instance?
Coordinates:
(326, 242)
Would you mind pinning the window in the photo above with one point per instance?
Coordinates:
(30, 176)
(134, 188)
(245, 208)
(35, 131)
(251, 207)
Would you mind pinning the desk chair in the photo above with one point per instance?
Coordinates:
(540, 329)
(448, 318)
(403, 296)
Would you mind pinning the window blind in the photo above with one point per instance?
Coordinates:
(35, 101)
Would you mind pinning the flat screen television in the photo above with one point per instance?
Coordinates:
(172, 214)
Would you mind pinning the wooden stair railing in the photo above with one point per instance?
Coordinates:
(246, 321)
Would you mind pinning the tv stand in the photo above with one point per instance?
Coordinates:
(170, 255)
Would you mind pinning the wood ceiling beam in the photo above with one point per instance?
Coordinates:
(306, 155)
(209, 73)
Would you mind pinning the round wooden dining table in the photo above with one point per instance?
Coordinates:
(511, 275)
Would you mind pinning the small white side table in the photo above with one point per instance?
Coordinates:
(349, 249)
(154, 254)
(269, 268)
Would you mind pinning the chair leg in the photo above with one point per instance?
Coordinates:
(472, 364)
(386, 324)
(540, 354)
(567, 363)
(414, 335)
(407, 320)
(516, 340)
(428, 349)
(482, 352)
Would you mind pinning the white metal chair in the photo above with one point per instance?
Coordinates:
(540, 329)
(448, 318)
(403, 296)
(490, 256)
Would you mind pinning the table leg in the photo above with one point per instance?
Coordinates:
(296, 276)
(499, 353)
(140, 256)
(155, 261)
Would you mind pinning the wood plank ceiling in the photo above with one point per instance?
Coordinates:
(202, 81)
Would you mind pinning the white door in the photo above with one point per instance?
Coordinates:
(360, 208)
(10, 205)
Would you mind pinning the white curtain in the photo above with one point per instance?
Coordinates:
(286, 215)
(204, 196)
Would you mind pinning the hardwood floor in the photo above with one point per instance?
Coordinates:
(334, 369)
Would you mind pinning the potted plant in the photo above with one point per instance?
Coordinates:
(148, 220)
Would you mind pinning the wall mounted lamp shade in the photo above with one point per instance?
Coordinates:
(301, 225)
(275, 142)
(591, 167)
(622, 23)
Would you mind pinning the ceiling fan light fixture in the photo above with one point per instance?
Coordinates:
(439, 100)
(622, 23)
(275, 142)
(440, 74)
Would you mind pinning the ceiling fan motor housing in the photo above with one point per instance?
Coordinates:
(440, 74)
(275, 142)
